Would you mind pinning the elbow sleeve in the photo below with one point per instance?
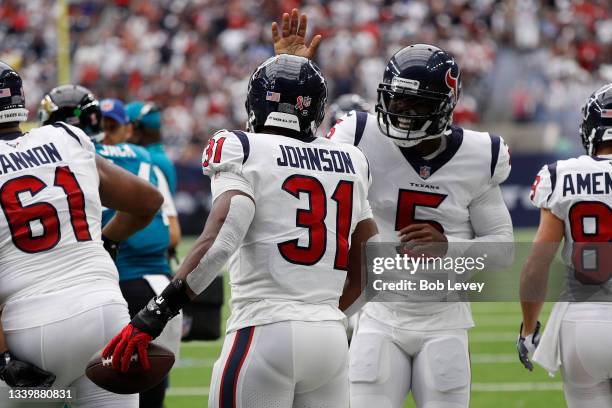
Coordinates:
(229, 238)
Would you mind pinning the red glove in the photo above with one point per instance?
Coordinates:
(123, 345)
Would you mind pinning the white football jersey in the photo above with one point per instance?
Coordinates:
(50, 236)
(579, 192)
(309, 196)
(409, 189)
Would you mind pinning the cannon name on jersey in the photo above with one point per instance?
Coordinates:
(409, 189)
(51, 172)
(309, 197)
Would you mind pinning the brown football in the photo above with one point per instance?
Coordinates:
(136, 380)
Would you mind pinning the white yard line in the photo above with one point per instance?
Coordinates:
(492, 337)
(202, 344)
(482, 358)
(187, 391)
(478, 358)
(476, 387)
(517, 387)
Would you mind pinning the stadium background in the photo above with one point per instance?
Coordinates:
(527, 67)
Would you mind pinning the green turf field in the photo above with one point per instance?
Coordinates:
(498, 379)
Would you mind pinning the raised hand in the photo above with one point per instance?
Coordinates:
(290, 39)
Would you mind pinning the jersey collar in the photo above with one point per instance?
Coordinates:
(10, 136)
(425, 168)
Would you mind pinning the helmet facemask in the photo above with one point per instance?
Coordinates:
(408, 117)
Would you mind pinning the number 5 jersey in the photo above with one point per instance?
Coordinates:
(309, 197)
(457, 192)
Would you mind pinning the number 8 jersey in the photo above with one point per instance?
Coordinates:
(579, 192)
(50, 237)
(309, 197)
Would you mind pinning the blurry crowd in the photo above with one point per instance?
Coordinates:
(193, 58)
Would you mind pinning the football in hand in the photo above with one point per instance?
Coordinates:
(136, 380)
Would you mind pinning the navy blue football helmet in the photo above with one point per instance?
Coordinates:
(596, 124)
(75, 105)
(287, 92)
(344, 104)
(419, 91)
(12, 99)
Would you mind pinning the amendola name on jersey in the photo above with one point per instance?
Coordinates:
(408, 189)
(309, 197)
(579, 192)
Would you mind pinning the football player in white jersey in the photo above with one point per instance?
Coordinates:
(293, 210)
(59, 290)
(432, 182)
(575, 201)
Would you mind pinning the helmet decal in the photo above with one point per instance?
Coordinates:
(451, 82)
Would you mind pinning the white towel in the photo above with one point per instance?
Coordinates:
(548, 353)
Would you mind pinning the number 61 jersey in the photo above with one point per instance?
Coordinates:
(309, 197)
(579, 192)
(50, 235)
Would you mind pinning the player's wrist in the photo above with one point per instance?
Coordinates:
(111, 246)
(153, 318)
(532, 330)
(5, 358)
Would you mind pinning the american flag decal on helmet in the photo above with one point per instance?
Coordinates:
(272, 96)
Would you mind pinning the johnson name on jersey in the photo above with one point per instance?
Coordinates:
(51, 213)
(579, 192)
(309, 197)
(441, 191)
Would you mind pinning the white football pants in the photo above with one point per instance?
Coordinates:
(64, 347)
(291, 364)
(586, 356)
(387, 363)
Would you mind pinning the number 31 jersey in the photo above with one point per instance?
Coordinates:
(309, 197)
(579, 192)
(50, 235)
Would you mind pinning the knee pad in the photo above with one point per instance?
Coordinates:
(448, 363)
(368, 355)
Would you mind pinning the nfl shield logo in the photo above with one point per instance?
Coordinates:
(425, 172)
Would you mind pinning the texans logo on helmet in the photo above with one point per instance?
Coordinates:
(451, 82)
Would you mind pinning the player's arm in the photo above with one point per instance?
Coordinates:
(534, 280)
(227, 224)
(355, 277)
(493, 230)
(17, 373)
(135, 200)
(491, 222)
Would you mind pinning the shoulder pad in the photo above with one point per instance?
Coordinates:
(226, 151)
(500, 160)
(75, 134)
(543, 186)
(349, 128)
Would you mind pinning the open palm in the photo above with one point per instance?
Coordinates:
(290, 39)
